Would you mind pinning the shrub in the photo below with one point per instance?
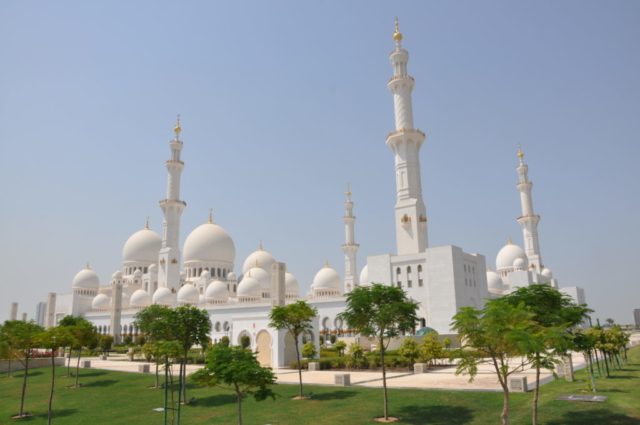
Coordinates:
(309, 350)
(356, 350)
(321, 340)
(409, 351)
(333, 339)
(245, 341)
(431, 348)
(340, 346)
(225, 341)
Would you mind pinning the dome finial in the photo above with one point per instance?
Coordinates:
(260, 248)
(509, 243)
(397, 36)
(177, 128)
(210, 216)
(87, 267)
(256, 266)
(147, 225)
(326, 265)
(249, 273)
(348, 192)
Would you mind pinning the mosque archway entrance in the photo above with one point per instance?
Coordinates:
(289, 349)
(263, 345)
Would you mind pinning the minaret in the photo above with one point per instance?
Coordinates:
(172, 207)
(350, 247)
(528, 220)
(411, 214)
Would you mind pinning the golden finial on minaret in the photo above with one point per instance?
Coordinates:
(397, 36)
(177, 128)
(348, 192)
(326, 265)
(520, 154)
(210, 215)
(260, 248)
(147, 225)
(509, 243)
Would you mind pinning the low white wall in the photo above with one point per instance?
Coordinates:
(395, 343)
(33, 364)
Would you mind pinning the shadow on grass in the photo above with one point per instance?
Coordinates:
(18, 374)
(93, 373)
(102, 383)
(435, 415)
(622, 377)
(596, 416)
(217, 400)
(57, 413)
(335, 395)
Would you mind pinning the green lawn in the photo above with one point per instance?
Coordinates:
(123, 398)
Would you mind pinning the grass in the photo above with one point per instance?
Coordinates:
(123, 398)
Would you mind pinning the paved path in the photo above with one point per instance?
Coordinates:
(441, 379)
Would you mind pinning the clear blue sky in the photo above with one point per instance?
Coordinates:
(283, 103)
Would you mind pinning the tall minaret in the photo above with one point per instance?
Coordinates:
(350, 247)
(411, 214)
(528, 221)
(172, 207)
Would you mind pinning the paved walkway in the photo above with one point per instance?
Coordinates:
(441, 379)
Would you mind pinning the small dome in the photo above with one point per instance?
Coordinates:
(291, 284)
(140, 298)
(153, 269)
(231, 277)
(217, 291)
(327, 278)
(262, 277)
(143, 246)
(188, 294)
(209, 242)
(101, 302)
(249, 287)
(163, 296)
(117, 275)
(508, 255)
(364, 276)
(86, 279)
(519, 264)
(206, 274)
(494, 281)
(137, 273)
(263, 258)
(547, 273)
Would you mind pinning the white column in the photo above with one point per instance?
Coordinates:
(528, 220)
(13, 313)
(116, 313)
(406, 141)
(172, 207)
(350, 247)
(50, 318)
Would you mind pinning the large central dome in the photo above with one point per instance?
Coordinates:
(209, 242)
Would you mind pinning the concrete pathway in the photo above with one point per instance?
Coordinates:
(441, 379)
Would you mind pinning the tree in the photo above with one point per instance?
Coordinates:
(610, 321)
(84, 335)
(382, 312)
(106, 341)
(447, 343)
(556, 314)
(155, 323)
(52, 339)
(309, 350)
(431, 348)
(22, 336)
(295, 318)
(245, 341)
(189, 326)
(409, 351)
(6, 349)
(68, 321)
(496, 335)
(340, 347)
(236, 369)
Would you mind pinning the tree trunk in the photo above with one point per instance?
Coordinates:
(24, 383)
(595, 353)
(505, 406)
(78, 366)
(384, 381)
(53, 380)
(239, 405)
(68, 362)
(157, 365)
(183, 377)
(536, 392)
(9, 370)
(593, 379)
(299, 366)
(606, 364)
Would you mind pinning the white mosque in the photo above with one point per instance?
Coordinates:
(442, 279)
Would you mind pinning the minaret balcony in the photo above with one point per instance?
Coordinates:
(172, 201)
(174, 161)
(401, 77)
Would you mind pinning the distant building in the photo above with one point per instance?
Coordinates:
(41, 310)
(636, 317)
